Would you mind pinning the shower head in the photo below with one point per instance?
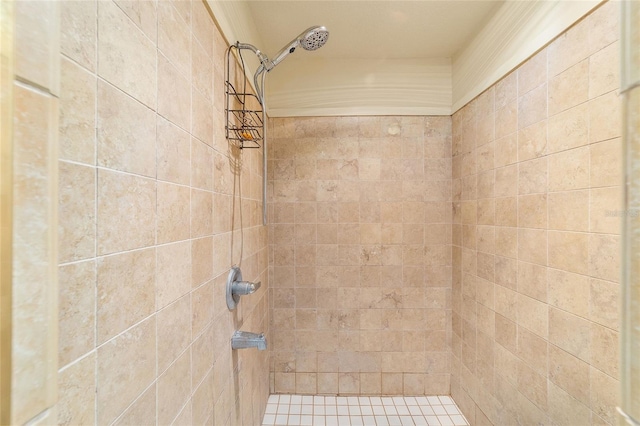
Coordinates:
(311, 39)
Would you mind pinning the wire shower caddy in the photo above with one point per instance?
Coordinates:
(244, 119)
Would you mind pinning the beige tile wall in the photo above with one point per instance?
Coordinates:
(150, 222)
(360, 255)
(536, 205)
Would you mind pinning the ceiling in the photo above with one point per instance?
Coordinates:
(374, 29)
(393, 57)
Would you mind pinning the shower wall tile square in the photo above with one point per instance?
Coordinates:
(126, 57)
(535, 234)
(155, 207)
(77, 112)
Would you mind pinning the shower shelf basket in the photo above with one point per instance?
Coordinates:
(243, 125)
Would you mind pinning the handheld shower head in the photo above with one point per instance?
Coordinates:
(310, 39)
(314, 38)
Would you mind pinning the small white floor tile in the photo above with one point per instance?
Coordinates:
(331, 420)
(459, 420)
(319, 410)
(269, 419)
(451, 409)
(382, 421)
(445, 420)
(369, 421)
(318, 421)
(294, 420)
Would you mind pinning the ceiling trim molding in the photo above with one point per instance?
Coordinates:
(517, 31)
(402, 86)
(359, 87)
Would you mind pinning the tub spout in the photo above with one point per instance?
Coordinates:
(244, 339)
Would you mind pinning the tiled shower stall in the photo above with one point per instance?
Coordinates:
(473, 255)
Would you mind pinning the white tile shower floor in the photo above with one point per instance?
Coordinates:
(303, 410)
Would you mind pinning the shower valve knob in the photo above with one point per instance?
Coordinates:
(236, 288)
(242, 288)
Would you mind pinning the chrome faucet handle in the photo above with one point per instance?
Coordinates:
(242, 288)
(236, 287)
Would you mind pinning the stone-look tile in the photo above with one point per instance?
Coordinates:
(506, 119)
(174, 331)
(604, 347)
(126, 212)
(605, 115)
(604, 73)
(33, 29)
(569, 170)
(76, 207)
(506, 150)
(173, 277)
(604, 303)
(143, 409)
(569, 373)
(532, 280)
(603, 24)
(125, 291)
(570, 333)
(604, 257)
(185, 416)
(569, 251)
(605, 160)
(604, 205)
(565, 409)
(569, 292)
(532, 141)
(531, 245)
(78, 32)
(201, 213)
(173, 213)
(201, 165)
(201, 400)
(532, 73)
(174, 40)
(143, 14)
(568, 49)
(569, 211)
(532, 385)
(202, 67)
(201, 307)
(201, 117)
(506, 181)
(532, 107)
(77, 110)
(125, 367)
(126, 57)
(203, 28)
(604, 395)
(76, 310)
(126, 132)
(174, 388)
(532, 211)
(202, 351)
(174, 93)
(569, 88)
(533, 315)
(173, 153)
(569, 129)
(532, 176)
(77, 392)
